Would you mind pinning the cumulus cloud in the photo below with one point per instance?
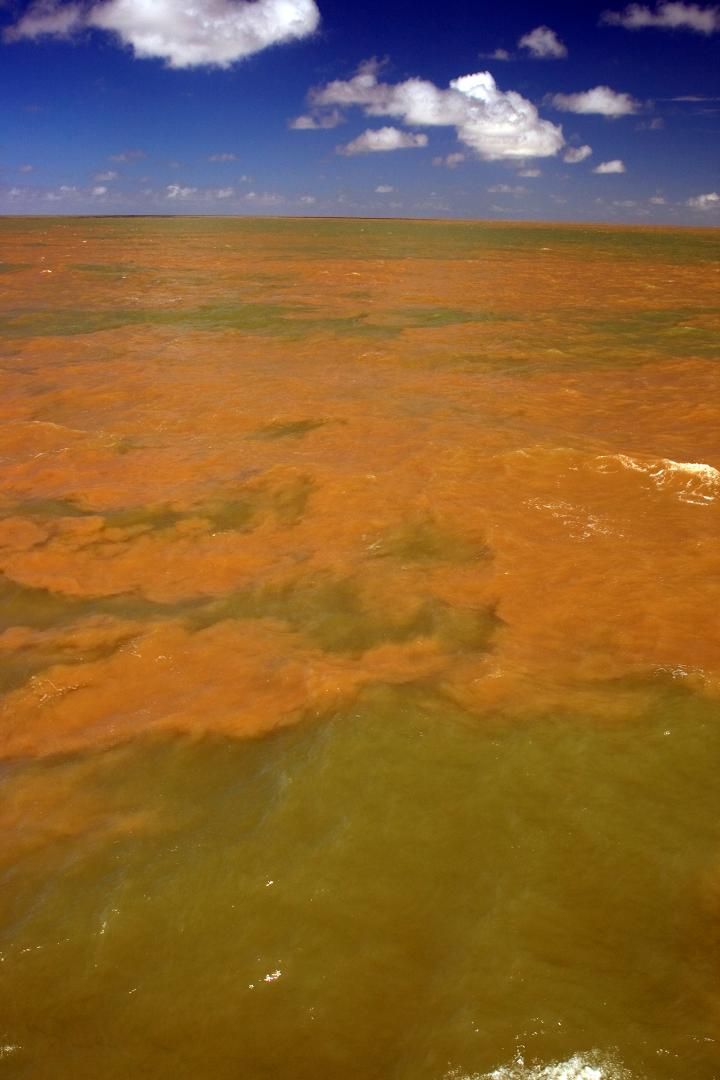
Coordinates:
(606, 168)
(601, 100)
(215, 33)
(450, 161)
(385, 138)
(104, 177)
(223, 193)
(384, 189)
(543, 44)
(100, 190)
(26, 168)
(668, 15)
(710, 201)
(308, 200)
(529, 173)
(575, 154)
(496, 124)
(318, 121)
(657, 200)
(223, 157)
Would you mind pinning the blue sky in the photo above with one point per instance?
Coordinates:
(573, 111)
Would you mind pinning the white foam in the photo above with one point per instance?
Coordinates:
(697, 482)
(581, 524)
(592, 1066)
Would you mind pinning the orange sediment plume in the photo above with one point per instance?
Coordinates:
(240, 485)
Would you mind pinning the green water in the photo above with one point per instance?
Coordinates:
(396, 892)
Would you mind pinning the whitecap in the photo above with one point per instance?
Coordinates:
(592, 1066)
(692, 481)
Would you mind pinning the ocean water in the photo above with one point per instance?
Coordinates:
(359, 651)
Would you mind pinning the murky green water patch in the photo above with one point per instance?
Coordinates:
(335, 615)
(289, 429)
(675, 333)
(454, 890)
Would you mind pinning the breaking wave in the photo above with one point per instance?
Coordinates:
(693, 481)
(592, 1066)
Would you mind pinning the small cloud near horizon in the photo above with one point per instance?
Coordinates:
(129, 155)
(575, 154)
(607, 168)
(709, 201)
(319, 121)
(376, 140)
(600, 101)
(497, 54)
(543, 44)
(450, 161)
(668, 15)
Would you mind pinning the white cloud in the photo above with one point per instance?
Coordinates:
(451, 161)
(497, 54)
(223, 157)
(47, 17)
(103, 177)
(223, 193)
(668, 15)
(710, 201)
(214, 32)
(607, 168)
(508, 189)
(264, 198)
(100, 190)
(129, 155)
(529, 173)
(65, 191)
(308, 200)
(381, 139)
(319, 121)
(496, 124)
(575, 154)
(543, 43)
(26, 168)
(600, 100)
(656, 124)
(175, 191)
(384, 189)
(657, 200)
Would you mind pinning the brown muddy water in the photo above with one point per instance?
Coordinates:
(360, 651)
